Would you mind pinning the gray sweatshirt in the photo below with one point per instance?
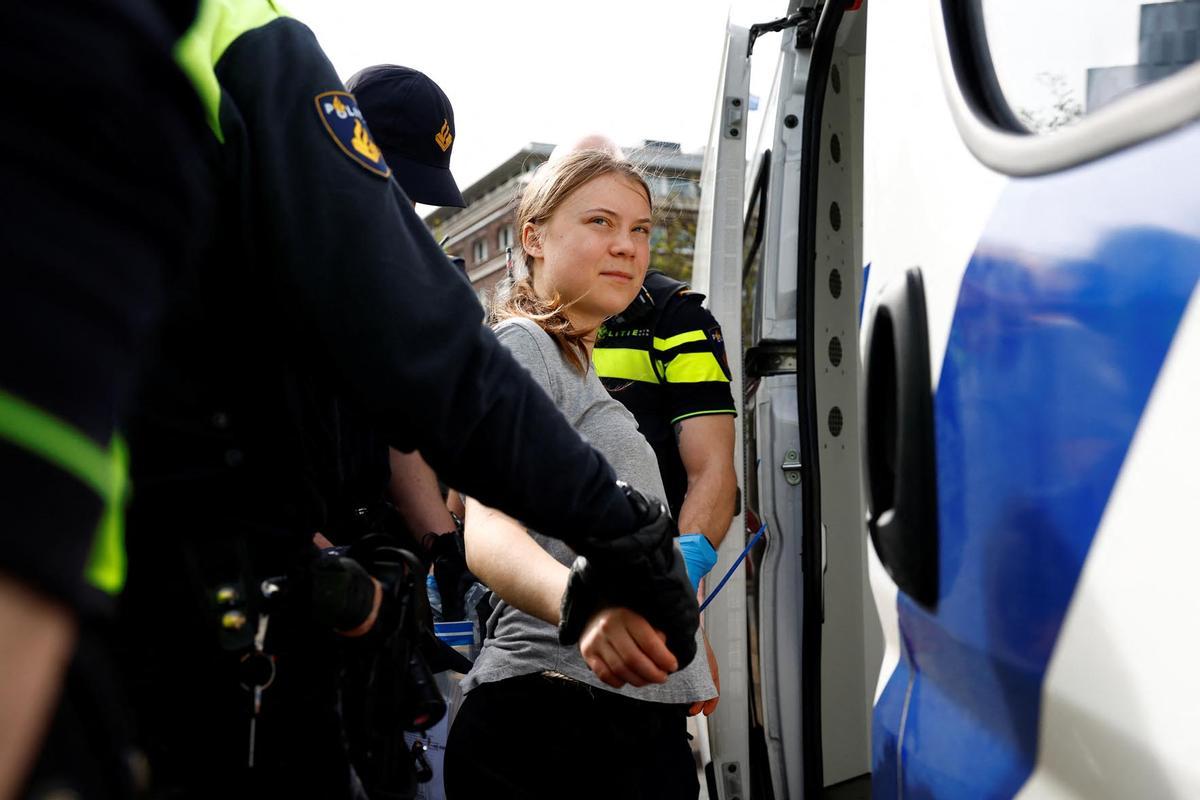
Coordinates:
(520, 644)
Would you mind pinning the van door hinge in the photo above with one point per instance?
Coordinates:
(804, 21)
(791, 467)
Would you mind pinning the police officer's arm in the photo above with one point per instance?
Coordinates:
(99, 227)
(415, 493)
(618, 645)
(706, 449)
(690, 347)
(380, 303)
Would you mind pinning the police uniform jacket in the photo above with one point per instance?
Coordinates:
(321, 307)
(664, 358)
(98, 219)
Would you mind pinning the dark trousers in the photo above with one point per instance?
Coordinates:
(537, 737)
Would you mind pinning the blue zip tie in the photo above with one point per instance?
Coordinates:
(729, 574)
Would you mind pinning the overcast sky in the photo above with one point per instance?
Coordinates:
(519, 71)
(1059, 45)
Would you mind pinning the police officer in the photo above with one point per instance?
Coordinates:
(321, 290)
(96, 133)
(402, 105)
(664, 359)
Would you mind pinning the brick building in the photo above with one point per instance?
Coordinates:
(482, 232)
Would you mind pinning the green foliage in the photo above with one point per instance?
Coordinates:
(1062, 109)
(673, 245)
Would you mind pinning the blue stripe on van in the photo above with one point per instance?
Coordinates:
(1064, 317)
(885, 737)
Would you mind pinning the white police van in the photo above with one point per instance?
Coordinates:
(968, 244)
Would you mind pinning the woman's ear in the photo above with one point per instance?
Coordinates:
(531, 240)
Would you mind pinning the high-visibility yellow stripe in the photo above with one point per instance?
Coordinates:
(695, 368)
(56, 441)
(106, 564)
(725, 411)
(105, 473)
(218, 24)
(624, 363)
(678, 339)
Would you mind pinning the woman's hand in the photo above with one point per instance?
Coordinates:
(621, 647)
(708, 706)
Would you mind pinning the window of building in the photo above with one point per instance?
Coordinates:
(504, 239)
(1055, 63)
(685, 187)
(479, 250)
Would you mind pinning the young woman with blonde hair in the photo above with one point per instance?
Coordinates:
(606, 719)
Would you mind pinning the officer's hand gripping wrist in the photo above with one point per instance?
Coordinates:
(580, 602)
(640, 570)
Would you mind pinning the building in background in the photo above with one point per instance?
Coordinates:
(482, 232)
(1168, 41)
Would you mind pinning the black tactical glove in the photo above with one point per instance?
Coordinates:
(339, 592)
(448, 553)
(641, 571)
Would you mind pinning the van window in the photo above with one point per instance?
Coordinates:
(1058, 61)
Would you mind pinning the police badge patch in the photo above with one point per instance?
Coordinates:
(718, 346)
(341, 117)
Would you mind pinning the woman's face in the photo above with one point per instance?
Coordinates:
(594, 249)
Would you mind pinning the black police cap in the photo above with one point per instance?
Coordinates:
(413, 122)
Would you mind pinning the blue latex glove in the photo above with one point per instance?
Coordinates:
(698, 555)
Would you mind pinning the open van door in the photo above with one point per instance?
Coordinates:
(810, 288)
(796, 634)
(716, 272)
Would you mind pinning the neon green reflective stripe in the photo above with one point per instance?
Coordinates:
(105, 473)
(704, 414)
(624, 363)
(695, 368)
(56, 441)
(106, 565)
(218, 24)
(678, 339)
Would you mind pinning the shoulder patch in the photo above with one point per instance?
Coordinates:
(340, 115)
(718, 346)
